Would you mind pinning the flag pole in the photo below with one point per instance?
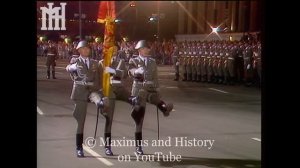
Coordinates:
(108, 10)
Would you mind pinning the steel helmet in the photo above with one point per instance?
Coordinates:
(82, 44)
(141, 44)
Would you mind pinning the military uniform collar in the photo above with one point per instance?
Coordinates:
(83, 59)
(144, 58)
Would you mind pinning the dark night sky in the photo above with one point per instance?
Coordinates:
(129, 27)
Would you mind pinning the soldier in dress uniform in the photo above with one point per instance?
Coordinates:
(231, 63)
(86, 88)
(175, 56)
(180, 60)
(194, 62)
(203, 64)
(52, 56)
(143, 69)
(221, 64)
(248, 59)
(257, 61)
(239, 63)
(118, 91)
(183, 63)
(189, 62)
(215, 64)
(198, 62)
(218, 64)
(209, 67)
(224, 63)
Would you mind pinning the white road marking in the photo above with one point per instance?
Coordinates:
(222, 91)
(39, 110)
(99, 157)
(256, 139)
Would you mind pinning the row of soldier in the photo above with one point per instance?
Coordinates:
(225, 62)
(161, 51)
(67, 50)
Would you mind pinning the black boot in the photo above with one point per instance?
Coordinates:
(79, 149)
(184, 77)
(198, 78)
(195, 78)
(48, 74)
(107, 137)
(204, 78)
(138, 140)
(190, 76)
(138, 114)
(165, 108)
(53, 75)
(216, 78)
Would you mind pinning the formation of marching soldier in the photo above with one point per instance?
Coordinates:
(222, 62)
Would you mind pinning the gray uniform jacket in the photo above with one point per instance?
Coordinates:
(150, 76)
(86, 80)
(51, 56)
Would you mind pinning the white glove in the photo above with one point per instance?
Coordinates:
(177, 63)
(71, 68)
(140, 71)
(248, 66)
(110, 70)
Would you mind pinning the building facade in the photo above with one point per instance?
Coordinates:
(195, 17)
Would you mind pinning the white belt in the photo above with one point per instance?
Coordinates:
(231, 58)
(83, 83)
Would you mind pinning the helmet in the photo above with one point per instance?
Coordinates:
(141, 44)
(82, 44)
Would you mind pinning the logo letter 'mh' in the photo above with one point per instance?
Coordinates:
(53, 13)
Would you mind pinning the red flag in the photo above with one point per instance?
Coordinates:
(106, 14)
(106, 9)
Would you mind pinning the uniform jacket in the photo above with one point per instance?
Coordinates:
(85, 75)
(150, 73)
(51, 56)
